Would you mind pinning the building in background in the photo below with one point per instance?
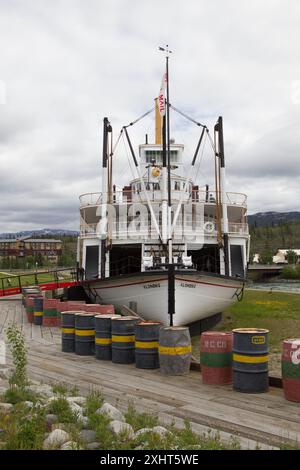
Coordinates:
(19, 248)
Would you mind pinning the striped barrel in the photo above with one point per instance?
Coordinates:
(50, 312)
(216, 357)
(103, 336)
(29, 306)
(146, 345)
(85, 334)
(175, 350)
(290, 365)
(38, 310)
(68, 331)
(123, 339)
(250, 360)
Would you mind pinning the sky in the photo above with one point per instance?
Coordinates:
(66, 64)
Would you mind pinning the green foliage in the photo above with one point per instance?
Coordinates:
(266, 257)
(61, 408)
(24, 430)
(15, 395)
(285, 236)
(291, 257)
(63, 389)
(139, 420)
(16, 341)
(291, 272)
(94, 400)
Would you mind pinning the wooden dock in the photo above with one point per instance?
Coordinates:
(264, 419)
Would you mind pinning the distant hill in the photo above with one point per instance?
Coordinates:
(40, 233)
(271, 219)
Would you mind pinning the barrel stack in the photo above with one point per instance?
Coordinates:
(50, 317)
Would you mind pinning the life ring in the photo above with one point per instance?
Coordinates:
(209, 227)
(155, 172)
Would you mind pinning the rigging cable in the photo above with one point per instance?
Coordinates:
(139, 119)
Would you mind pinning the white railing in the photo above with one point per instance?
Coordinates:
(127, 197)
(122, 230)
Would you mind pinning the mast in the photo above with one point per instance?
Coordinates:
(106, 130)
(167, 156)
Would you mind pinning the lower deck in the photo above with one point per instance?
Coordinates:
(267, 419)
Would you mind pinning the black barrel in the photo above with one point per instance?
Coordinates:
(68, 331)
(175, 350)
(146, 345)
(38, 311)
(85, 334)
(103, 336)
(250, 360)
(123, 339)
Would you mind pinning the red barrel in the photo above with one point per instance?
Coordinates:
(50, 312)
(290, 366)
(216, 357)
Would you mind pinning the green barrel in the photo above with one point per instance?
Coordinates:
(146, 345)
(38, 310)
(103, 336)
(85, 334)
(175, 350)
(250, 360)
(123, 339)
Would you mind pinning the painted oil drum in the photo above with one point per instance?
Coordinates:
(123, 339)
(29, 290)
(175, 350)
(50, 312)
(68, 331)
(38, 310)
(216, 357)
(250, 360)
(290, 365)
(85, 334)
(146, 345)
(29, 306)
(103, 336)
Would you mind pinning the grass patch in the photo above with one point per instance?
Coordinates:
(94, 400)
(61, 408)
(23, 430)
(17, 395)
(140, 420)
(64, 389)
(278, 312)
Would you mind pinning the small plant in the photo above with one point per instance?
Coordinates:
(61, 408)
(94, 400)
(16, 341)
(140, 420)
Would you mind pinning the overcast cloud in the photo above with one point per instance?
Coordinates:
(66, 64)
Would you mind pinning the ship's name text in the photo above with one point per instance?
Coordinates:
(152, 286)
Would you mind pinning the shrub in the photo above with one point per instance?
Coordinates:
(16, 341)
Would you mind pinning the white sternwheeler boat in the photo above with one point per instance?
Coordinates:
(178, 250)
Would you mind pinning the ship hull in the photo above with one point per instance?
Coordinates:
(197, 295)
